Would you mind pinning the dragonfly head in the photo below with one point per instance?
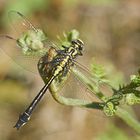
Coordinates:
(78, 45)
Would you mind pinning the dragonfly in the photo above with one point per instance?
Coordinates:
(54, 64)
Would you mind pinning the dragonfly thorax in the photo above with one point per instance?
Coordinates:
(59, 62)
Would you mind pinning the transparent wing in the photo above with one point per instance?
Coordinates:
(72, 87)
(93, 83)
(10, 48)
(28, 45)
(19, 22)
(86, 85)
(83, 75)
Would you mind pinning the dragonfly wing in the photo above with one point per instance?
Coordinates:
(82, 74)
(22, 25)
(28, 45)
(10, 48)
(71, 87)
(93, 83)
(74, 89)
(19, 22)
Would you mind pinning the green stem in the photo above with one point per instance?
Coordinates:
(123, 114)
(128, 118)
(75, 102)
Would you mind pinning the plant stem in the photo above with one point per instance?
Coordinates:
(76, 102)
(129, 119)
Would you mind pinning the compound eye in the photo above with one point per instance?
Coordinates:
(80, 42)
(73, 42)
(81, 47)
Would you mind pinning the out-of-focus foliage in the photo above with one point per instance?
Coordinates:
(27, 6)
(110, 30)
(103, 2)
(113, 133)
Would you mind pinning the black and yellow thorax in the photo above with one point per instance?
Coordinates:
(57, 62)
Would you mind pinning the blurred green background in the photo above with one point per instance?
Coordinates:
(111, 32)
